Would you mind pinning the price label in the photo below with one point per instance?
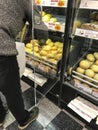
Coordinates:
(89, 4)
(86, 33)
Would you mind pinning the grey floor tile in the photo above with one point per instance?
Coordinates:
(9, 119)
(48, 112)
(74, 118)
(24, 86)
(1, 128)
(29, 98)
(63, 122)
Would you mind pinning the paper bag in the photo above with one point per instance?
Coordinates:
(21, 57)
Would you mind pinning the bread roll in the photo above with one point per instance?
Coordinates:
(96, 77)
(90, 57)
(53, 19)
(80, 70)
(85, 85)
(95, 89)
(43, 53)
(58, 56)
(77, 24)
(43, 13)
(94, 68)
(47, 48)
(50, 55)
(84, 64)
(53, 61)
(44, 57)
(29, 45)
(96, 55)
(48, 41)
(96, 62)
(90, 73)
(36, 49)
(90, 26)
(70, 71)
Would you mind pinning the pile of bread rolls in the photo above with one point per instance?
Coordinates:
(50, 51)
(89, 66)
(47, 17)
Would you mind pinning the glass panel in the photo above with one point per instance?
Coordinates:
(44, 49)
(83, 49)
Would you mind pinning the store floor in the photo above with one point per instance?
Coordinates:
(50, 116)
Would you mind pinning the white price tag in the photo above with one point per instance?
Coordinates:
(89, 4)
(86, 33)
(58, 3)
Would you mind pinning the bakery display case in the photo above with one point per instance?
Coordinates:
(62, 55)
(79, 67)
(44, 50)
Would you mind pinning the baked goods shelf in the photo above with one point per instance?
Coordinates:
(85, 79)
(40, 66)
(81, 91)
(46, 62)
(85, 75)
(42, 89)
(85, 4)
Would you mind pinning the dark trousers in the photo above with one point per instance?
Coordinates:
(11, 88)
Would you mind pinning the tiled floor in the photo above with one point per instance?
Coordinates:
(50, 116)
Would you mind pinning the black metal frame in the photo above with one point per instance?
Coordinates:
(66, 46)
(71, 9)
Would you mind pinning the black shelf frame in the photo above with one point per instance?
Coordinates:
(72, 6)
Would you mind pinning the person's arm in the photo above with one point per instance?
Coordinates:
(27, 4)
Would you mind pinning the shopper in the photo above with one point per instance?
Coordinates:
(13, 15)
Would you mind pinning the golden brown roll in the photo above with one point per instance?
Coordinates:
(90, 57)
(94, 68)
(80, 70)
(84, 64)
(90, 73)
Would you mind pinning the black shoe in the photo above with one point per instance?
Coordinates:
(33, 116)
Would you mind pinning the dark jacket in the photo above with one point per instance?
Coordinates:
(13, 15)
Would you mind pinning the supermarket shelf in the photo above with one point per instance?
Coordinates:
(42, 89)
(43, 67)
(42, 72)
(85, 4)
(82, 93)
(85, 80)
